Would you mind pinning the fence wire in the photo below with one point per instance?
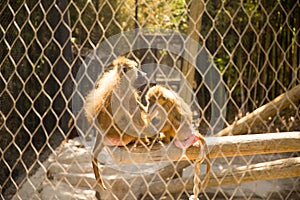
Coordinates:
(252, 55)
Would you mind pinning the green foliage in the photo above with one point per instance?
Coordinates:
(169, 14)
(253, 46)
(101, 19)
(92, 21)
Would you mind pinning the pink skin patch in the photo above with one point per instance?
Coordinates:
(185, 136)
(114, 141)
(182, 144)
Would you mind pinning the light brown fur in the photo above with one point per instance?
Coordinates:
(175, 107)
(98, 109)
(178, 112)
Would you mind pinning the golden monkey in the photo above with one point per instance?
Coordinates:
(177, 120)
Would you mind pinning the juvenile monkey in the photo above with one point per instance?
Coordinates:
(177, 117)
(175, 113)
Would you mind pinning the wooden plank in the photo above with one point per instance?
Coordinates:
(218, 147)
(283, 168)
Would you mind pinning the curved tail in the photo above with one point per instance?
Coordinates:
(97, 173)
(197, 180)
(208, 167)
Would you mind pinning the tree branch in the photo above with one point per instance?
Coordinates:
(262, 113)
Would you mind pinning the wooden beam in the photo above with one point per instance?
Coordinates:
(69, 163)
(262, 113)
(284, 168)
(218, 147)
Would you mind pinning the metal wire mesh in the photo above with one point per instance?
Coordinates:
(254, 46)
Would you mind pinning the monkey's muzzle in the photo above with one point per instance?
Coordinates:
(141, 78)
(182, 144)
(185, 136)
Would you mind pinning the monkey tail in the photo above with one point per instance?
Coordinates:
(97, 173)
(198, 162)
(208, 167)
(98, 146)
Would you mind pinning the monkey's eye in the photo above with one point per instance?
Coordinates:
(125, 69)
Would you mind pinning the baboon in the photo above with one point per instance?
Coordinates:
(175, 113)
(165, 113)
(98, 110)
(177, 118)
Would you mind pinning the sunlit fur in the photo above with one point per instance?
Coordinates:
(98, 110)
(159, 99)
(174, 106)
(178, 123)
(98, 101)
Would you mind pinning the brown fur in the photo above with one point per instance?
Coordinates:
(98, 108)
(175, 107)
(98, 101)
(178, 112)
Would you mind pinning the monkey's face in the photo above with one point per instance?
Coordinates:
(184, 133)
(130, 71)
(124, 63)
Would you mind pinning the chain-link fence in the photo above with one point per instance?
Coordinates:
(230, 61)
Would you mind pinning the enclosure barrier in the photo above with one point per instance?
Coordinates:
(244, 83)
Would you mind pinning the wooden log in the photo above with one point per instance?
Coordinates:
(262, 113)
(284, 168)
(218, 147)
